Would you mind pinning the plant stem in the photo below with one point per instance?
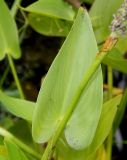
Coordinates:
(109, 145)
(110, 82)
(13, 12)
(110, 136)
(4, 76)
(15, 76)
(26, 148)
(108, 45)
(14, 8)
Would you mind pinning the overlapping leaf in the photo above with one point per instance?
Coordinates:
(102, 13)
(105, 123)
(9, 43)
(18, 107)
(50, 8)
(61, 84)
(49, 26)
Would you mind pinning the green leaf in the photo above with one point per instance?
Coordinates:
(14, 152)
(116, 61)
(18, 107)
(9, 43)
(122, 45)
(56, 9)
(49, 26)
(62, 84)
(105, 123)
(102, 13)
(121, 110)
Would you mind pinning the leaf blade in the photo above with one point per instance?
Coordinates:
(63, 79)
(57, 9)
(8, 46)
(21, 108)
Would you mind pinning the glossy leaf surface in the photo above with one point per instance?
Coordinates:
(61, 84)
(50, 8)
(9, 43)
(49, 26)
(18, 107)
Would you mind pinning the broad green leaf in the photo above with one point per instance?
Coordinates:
(50, 8)
(14, 152)
(102, 13)
(18, 107)
(49, 26)
(105, 123)
(9, 43)
(61, 85)
(116, 61)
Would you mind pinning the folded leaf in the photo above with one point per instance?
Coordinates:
(50, 8)
(9, 43)
(49, 26)
(62, 84)
(21, 108)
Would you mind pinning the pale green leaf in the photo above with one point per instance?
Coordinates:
(61, 85)
(14, 152)
(122, 44)
(102, 14)
(105, 123)
(9, 43)
(50, 8)
(18, 107)
(49, 26)
(116, 61)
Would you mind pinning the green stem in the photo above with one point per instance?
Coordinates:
(109, 145)
(4, 76)
(14, 8)
(26, 148)
(15, 76)
(110, 82)
(110, 136)
(109, 44)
